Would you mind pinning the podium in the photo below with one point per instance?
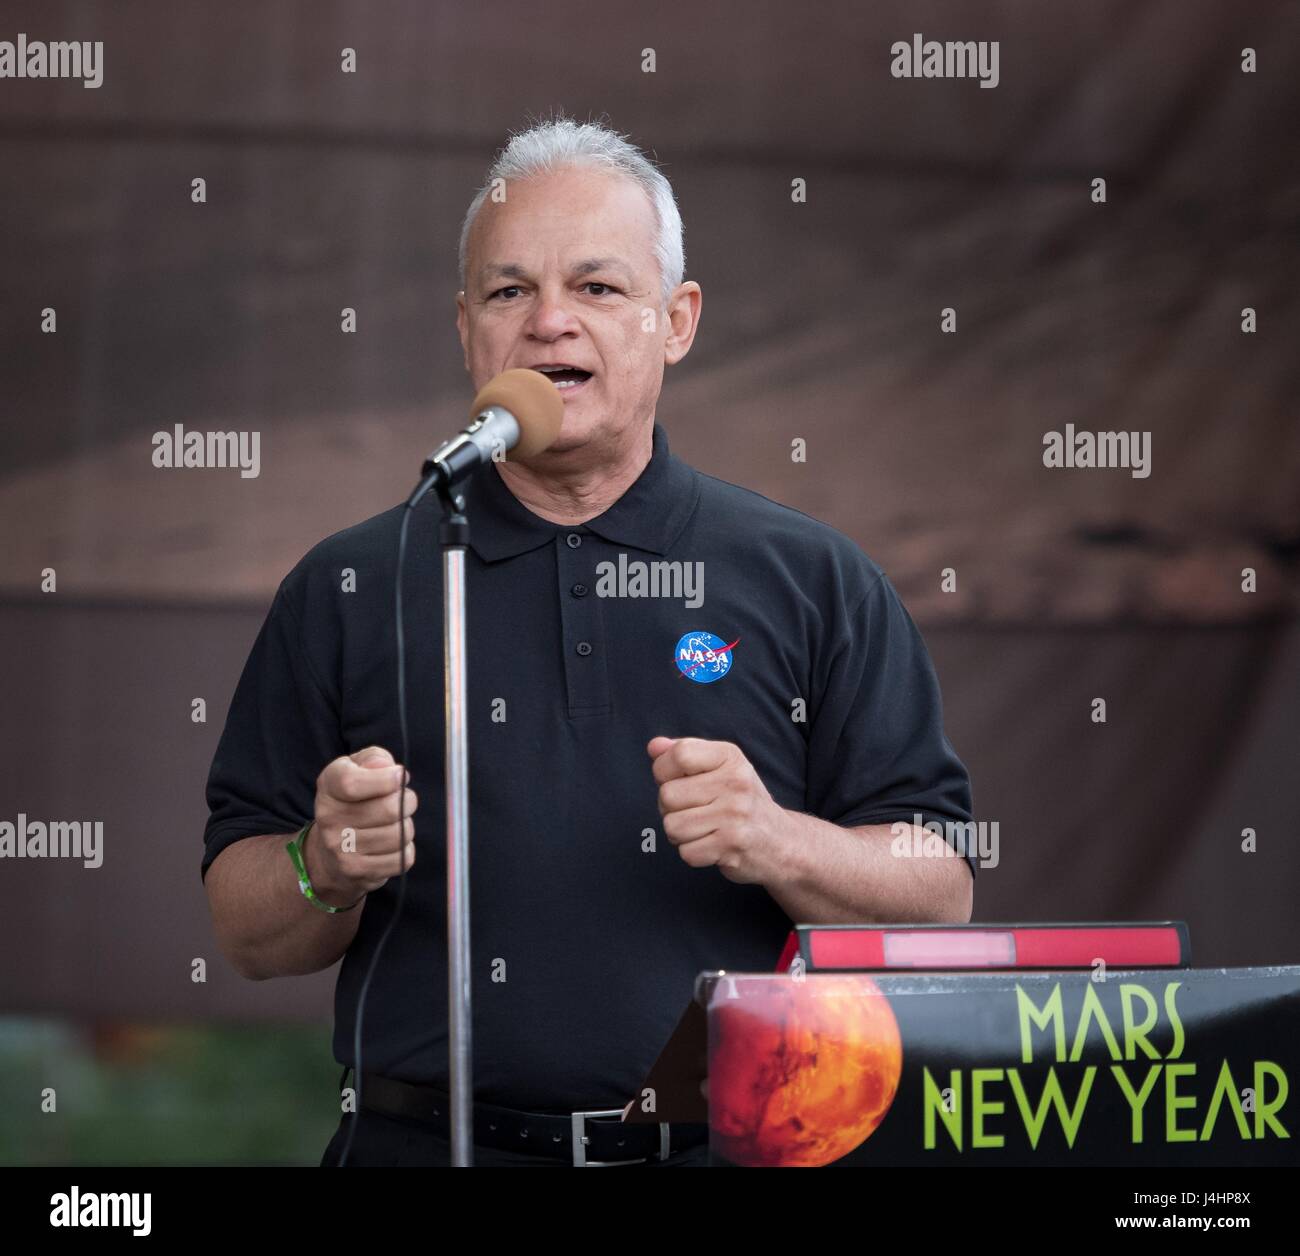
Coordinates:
(1155, 1067)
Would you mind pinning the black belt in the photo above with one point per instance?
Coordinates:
(580, 1138)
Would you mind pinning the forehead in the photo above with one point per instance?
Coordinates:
(569, 213)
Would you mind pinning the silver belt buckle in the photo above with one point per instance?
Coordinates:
(580, 1141)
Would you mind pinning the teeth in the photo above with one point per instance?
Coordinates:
(570, 383)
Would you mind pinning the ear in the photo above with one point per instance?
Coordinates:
(683, 321)
(462, 326)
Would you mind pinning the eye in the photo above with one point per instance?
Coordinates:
(510, 288)
(595, 283)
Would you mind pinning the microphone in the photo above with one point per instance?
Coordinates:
(519, 409)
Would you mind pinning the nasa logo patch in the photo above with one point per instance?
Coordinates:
(702, 657)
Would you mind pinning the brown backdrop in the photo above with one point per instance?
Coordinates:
(821, 321)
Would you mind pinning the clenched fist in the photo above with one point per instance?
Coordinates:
(354, 846)
(716, 810)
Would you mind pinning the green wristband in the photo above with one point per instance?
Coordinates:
(304, 881)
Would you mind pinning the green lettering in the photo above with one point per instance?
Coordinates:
(1136, 1101)
(1171, 1011)
(1093, 1010)
(1224, 1087)
(1051, 1015)
(932, 1102)
(980, 1107)
(1034, 1121)
(1135, 1034)
(1173, 1102)
(1264, 1109)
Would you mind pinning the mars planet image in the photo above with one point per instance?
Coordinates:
(801, 1070)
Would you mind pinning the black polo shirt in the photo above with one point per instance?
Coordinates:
(587, 926)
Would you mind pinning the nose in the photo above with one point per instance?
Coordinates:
(550, 316)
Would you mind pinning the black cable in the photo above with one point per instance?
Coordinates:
(401, 826)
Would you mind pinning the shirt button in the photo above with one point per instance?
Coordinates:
(584, 648)
(574, 540)
(579, 590)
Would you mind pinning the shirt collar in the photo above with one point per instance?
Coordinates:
(649, 516)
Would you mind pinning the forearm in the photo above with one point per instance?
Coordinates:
(264, 924)
(825, 874)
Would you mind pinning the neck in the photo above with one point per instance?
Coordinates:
(579, 484)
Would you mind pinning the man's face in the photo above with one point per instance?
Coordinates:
(563, 272)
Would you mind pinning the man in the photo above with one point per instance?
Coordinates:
(664, 772)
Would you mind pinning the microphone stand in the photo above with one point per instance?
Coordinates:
(453, 537)
(448, 463)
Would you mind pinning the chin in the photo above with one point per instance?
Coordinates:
(575, 431)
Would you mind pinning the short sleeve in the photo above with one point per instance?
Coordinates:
(281, 730)
(877, 749)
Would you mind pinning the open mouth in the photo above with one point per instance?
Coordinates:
(565, 378)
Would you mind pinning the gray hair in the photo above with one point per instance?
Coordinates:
(563, 142)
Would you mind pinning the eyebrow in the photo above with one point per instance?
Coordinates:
(513, 270)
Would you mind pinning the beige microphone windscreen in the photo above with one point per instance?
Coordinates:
(533, 400)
